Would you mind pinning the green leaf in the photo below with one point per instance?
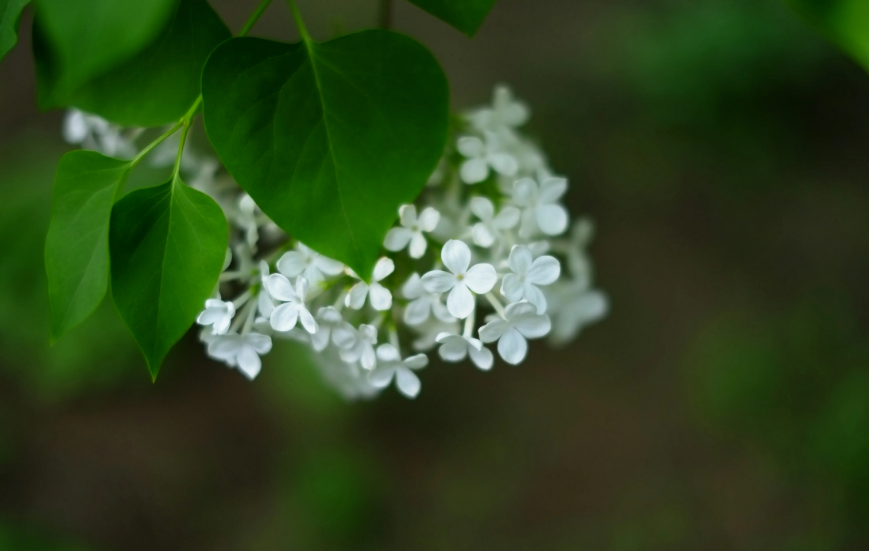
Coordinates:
(158, 85)
(77, 245)
(78, 40)
(329, 139)
(10, 18)
(465, 15)
(167, 244)
(845, 22)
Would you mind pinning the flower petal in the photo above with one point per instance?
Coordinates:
(383, 268)
(265, 304)
(261, 343)
(460, 301)
(417, 361)
(308, 321)
(320, 339)
(512, 288)
(344, 336)
(551, 189)
(397, 239)
(407, 215)
(533, 327)
(456, 256)
(356, 297)
(507, 218)
(483, 208)
(512, 347)
(417, 245)
(482, 358)
(493, 330)
(388, 353)
(482, 235)
(249, 362)
(534, 296)
(552, 219)
(381, 377)
(428, 219)
(328, 266)
(503, 163)
(379, 297)
(520, 259)
(525, 192)
(453, 347)
(407, 382)
(279, 287)
(368, 359)
(544, 270)
(292, 263)
(417, 311)
(481, 278)
(285, 316)
(412, 288)
(470, 146)
(474, 171)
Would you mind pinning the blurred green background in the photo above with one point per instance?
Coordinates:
(722, 147)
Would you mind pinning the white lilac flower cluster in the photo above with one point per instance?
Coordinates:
(487, 257)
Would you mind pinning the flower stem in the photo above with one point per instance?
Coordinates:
(469, 323)
(496, 304)
(254, 17)
(303, 31)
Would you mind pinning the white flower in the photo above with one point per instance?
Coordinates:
(348, 379)
(422, 303)
(491, 226)
(505, 112)
(381, 297)
(293, 308)
(577, 258)
(482, 155)
(520, 321)
(527, 275)
(265, 304)
(412, 230)
(241, 351)
(309, 263)
(247, 220)
(428, 332)
(218, 314)
(578, 306)
(332, 325)
(539, 207)
(479, 278)
(390, 365)
(455, 348)
(362, 349)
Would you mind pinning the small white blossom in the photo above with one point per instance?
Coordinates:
(218, 314)
(265, 304)
(464, 278)
(241, 351)
(293, 308)
(380, 296)
(362, 349)
(539, 207)
(97, 134)
(578, 306)
(527, 274)
(411, 230)
(455, 348)
(491, 226)
(505, 112)
(520, 321)
(308, 263)
(347, 378)
(422, 303)
(482, 155)
(247, 220)
(390, 365)
(332, 325)
(427, 333)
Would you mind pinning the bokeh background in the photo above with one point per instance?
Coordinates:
(721, 148)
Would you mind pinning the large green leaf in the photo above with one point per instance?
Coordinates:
(10, 18)
(77, 40)
(168, 244)
(845, 22)
(465, 15)
(329, 139)
(157, 86)
(77, 245)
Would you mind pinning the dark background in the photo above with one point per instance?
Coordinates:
(720, 146)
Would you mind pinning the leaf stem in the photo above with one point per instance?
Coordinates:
(254, 17)
(155, 143)
(303, 31)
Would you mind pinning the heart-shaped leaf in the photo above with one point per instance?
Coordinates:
(82, 39)
(168, 244)
(10, 18)
(329, 139)
(156, 86)
(77, 245)
(465, 15)
(845, 22)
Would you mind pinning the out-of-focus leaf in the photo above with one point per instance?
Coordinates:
(10, 18)
(465, 15)
(168, 245)
(329, 139)
(845, 22)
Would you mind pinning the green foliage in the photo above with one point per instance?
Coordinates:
(78, 40)
(465, 15)
(168, 245)
(77, 246)
(845, 22)
(10, 18)
(329, 139)
(158, 85)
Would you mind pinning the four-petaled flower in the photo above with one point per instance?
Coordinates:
(482, 155)
(455, 348)
(390, 365)
(309, 263)
(241, 351)
(527, 274)
(422, 303)
(577, 306)
(218, 314)
(491, 226)
(539, 207)
(381, 297)
(520, 321)
(362, 349)
(332, 325)
(293, 308)
(479, 278)
(411, 230)
(505, 112)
